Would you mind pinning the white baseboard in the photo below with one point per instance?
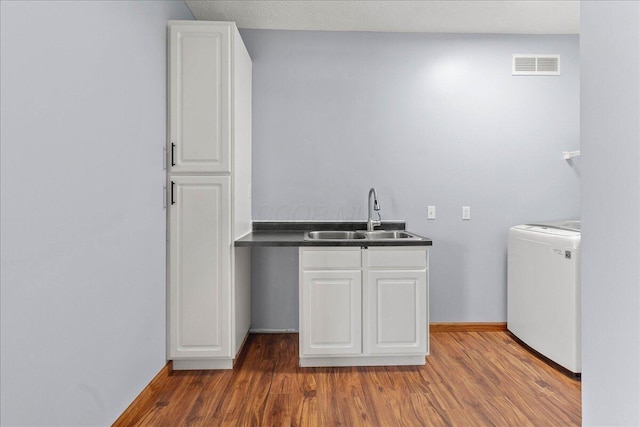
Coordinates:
(331, 361)
(201, 364)
(273, 331)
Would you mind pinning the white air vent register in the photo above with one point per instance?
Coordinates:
(536, 65)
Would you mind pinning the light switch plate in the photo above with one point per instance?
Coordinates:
(431, 212)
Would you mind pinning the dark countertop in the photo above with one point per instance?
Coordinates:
(282, 233)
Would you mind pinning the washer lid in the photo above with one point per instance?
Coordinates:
(573, 225)
(545, 229)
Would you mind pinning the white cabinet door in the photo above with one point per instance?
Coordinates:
(199, 267)
(199, 97)
(331, 313)
(396, 303)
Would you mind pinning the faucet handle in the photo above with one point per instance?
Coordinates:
(372, 224)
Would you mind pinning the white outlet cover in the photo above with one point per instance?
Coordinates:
(466, 212)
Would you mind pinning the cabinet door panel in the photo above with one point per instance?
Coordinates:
(199, 267)
(397, 312)
(199, 98)
(331, 313)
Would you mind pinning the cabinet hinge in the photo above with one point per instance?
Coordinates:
(164, 157)
(164, 197)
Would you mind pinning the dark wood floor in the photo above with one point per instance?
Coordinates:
(470, 379)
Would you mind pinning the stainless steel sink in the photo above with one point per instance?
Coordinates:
(333, 235)
(360, 235)
(389, 235)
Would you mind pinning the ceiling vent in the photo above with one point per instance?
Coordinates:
(536, 65)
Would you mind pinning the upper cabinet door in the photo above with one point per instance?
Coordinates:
(199, 98)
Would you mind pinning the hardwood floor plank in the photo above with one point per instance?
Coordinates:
(470, 379)
(277, 410)
(305, 412)
(428, 414)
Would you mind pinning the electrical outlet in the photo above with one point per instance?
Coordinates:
(431, 212)
(466, 213)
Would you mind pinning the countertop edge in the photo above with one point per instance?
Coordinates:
(296, 239)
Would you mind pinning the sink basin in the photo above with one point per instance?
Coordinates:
(333, 235)
(386, 235)
(360, 235)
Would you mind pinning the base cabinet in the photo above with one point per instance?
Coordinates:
(363, 307)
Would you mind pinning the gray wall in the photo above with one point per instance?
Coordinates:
(82, 218)
(610, 117)
(427, 120)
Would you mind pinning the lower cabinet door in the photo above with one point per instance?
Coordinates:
(331, 313)
(396, 312)
(199, 267)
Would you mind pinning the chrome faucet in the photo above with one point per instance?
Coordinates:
(371, 223)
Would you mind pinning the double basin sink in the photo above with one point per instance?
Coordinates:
(360, 235)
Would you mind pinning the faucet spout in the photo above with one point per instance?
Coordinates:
(371, 223)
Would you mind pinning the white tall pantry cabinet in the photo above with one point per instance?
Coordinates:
(209, 186)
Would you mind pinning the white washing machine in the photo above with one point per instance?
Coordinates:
(543, 289)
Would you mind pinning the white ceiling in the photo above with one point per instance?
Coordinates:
(439, 16)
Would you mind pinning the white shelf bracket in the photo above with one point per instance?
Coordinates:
(568, 155)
